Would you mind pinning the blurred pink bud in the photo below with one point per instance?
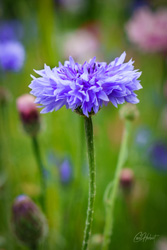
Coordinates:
(28, 114)
(25, 104)
(148, 30)
(126, 178)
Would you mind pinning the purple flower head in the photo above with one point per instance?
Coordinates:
(85, 88)
(12, 55)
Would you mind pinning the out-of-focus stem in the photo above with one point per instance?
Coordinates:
(41, 170)
(46, 22)
(110, 201)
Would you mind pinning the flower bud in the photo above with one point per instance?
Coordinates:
(129, 112)
(126, 179)
(28, 114)
(28, 222)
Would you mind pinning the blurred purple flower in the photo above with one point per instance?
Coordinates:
(65, 171)
(138, 4)
(158, 155)
(12, 55)
(64, 166)
(10, 30)
(85, 88)
(148, 30)
(142, 141)
(54, 158)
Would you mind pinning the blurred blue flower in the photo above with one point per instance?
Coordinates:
(12, 55)
(10, 30)
(54, 158)
(85, 88)
(158, 155)
(65, 171)
(64, 165)
(142, 140)
(138, 4)
(143, 137)
(46, 174)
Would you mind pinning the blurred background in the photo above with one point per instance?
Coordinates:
(36, 32)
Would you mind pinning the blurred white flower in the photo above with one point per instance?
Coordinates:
(161, 244)
(81, 45)
(72, 5)
(148, 30)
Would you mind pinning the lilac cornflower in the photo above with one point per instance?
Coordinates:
(85, 88)
(12, 55)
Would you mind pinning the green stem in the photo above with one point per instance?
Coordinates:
(41, 169)
(110, 202)
(47, 30)
(91, 9)
(92, 184)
